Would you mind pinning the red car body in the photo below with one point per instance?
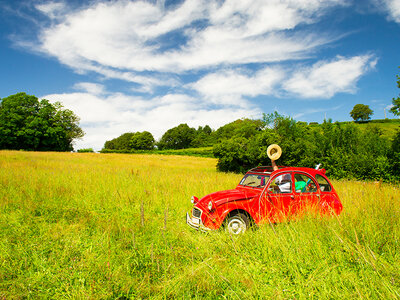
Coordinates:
(265, 196)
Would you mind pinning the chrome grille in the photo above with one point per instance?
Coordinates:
(196, 212)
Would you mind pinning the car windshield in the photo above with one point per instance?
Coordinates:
(254, 180)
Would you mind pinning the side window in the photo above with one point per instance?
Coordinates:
(281, 184)
(323, 183)
(304, 184)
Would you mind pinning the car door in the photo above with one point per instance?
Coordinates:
(306, 194)
(276, 201)
(327, 196)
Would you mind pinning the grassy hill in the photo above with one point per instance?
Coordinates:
(389, 127)
(96, 226)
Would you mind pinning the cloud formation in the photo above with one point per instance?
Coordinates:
(198, 62)
(326, 78)
(393, 9)
(141, 36)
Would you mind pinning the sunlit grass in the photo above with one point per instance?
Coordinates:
(109, 225)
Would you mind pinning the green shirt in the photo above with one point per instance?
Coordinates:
(299, 185)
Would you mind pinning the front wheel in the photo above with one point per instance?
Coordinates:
(237, 224)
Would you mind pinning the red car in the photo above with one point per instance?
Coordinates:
(265, 196)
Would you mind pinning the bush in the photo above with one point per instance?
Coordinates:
(85, 150)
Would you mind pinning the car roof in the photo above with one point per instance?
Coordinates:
(270, 170)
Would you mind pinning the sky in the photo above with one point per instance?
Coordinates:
(128, 66)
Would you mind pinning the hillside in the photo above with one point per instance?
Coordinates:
(388, 126)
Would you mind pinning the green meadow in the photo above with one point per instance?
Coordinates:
(107, 226)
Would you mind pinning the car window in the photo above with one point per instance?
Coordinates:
(281, 184)
(304, 183)
(254, 180)
(323, 183)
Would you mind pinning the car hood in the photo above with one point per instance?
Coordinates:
(230, 195)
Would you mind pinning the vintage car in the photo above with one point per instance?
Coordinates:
(266, 196)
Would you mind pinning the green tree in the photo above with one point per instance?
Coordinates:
(142, 141)
(361, 112)
(204, 137)
(29, 124)
(239, 128)
(396, 101)
(179, 137)
(123, 142)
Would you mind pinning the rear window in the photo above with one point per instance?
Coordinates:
(323, 183)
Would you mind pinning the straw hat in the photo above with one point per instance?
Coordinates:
(274, 151)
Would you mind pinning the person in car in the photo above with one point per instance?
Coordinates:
(284, 181)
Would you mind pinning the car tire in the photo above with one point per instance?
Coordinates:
(237, 223)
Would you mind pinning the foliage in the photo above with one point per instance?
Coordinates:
(204, 137)
(29, 124)
(74, 226)
(240, 128)
(394, 154)
(395, 109)
(86, 150)
(142, 141)
(123, 142)
(199, 152)
(344, 150)
(361, 112)
(234, 155)
(179, 137)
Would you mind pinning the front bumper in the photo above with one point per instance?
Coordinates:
(196, 223)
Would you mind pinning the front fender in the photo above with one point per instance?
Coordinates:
(221, 212)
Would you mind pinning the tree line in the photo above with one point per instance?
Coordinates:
(182, 137)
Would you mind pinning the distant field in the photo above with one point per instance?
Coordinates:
(199, 152)
(85, 225)
(389, 127)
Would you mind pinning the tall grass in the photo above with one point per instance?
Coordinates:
(107, 226)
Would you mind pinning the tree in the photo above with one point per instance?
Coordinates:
(361, 112)
(123, 142)
(179, 137)
(396, 101)
(142, 141)
(239, 128)
(29, 124)
(204, 137)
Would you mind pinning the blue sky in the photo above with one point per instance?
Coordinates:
(126, 66)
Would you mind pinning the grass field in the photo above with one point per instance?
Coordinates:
(77, 225)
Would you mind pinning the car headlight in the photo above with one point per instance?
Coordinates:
(194, 199)
(210, 205)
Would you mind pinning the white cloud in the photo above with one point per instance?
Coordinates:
(53, 10)
(230, 86)
(89, 87)
(104, 117)
(326, 78)
(161, 48)
(135, 35)
(393, 9)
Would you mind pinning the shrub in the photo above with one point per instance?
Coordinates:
(85, 150)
